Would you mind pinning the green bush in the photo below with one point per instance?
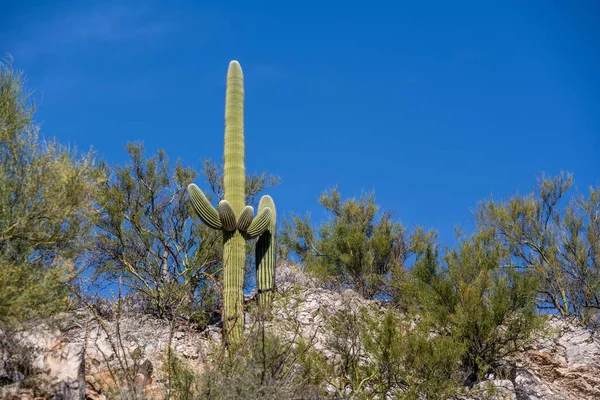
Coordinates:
(182, 382)
(146, 237)
(557, 238)
(46, 209)
(265, 366)
(471, 298)
(385, 356)
(358, 247)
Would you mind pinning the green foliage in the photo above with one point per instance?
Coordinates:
(265, 366)
(357, 247)
(146, 236)
(385, 357)
(30, 291)
(46, 208)
(558, 242)
(470, 298)
(183, 383)
(430, 364)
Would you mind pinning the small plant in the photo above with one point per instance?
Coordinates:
(266, 366)
(122, 366)
(383, 356)
(183, 382)
(358, 247)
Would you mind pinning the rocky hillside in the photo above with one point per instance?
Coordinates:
(78, 358)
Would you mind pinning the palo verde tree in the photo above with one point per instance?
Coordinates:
(556, 238)
(146, 235)
(46, 208)
(233, 217)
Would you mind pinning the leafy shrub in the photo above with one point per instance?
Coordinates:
(555, 238)
(358, 247)
(469, 297)
(266, 366)
(46, 209)
(148, 237)
(384, 356)
(183, 383)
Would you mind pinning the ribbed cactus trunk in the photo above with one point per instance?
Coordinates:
(234, 251)
(265, 257)
(234, 259)
(232, 217)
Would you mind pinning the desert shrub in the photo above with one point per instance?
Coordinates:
(266, 366)
(146, 236)
(555, 237)
(29, 292)
(470, 298)
(182, 382)
(46, 209)
(357, 247)
(385, 356)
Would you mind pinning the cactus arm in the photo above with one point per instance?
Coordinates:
(226, 215)
(266, 256)
(259, 224)
(245, 218)
(203, 208)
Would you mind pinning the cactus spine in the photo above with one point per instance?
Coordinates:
(232, 216)
(265, 257)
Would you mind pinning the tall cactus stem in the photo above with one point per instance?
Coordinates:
(234, 245)
(235, 231)
(234, 169)
(234, 260)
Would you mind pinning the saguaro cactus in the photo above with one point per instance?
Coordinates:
(265, 256)
(232, 215)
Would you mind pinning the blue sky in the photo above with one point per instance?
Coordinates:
(434, 105)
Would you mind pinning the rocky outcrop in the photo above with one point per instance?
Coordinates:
(565, 364)
(58, 365)
(309, 310)
(118, 358)
(108, 359)
(128, 354)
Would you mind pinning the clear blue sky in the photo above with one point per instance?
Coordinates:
(434, 105)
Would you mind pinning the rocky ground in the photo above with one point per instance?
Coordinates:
(78, 359)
